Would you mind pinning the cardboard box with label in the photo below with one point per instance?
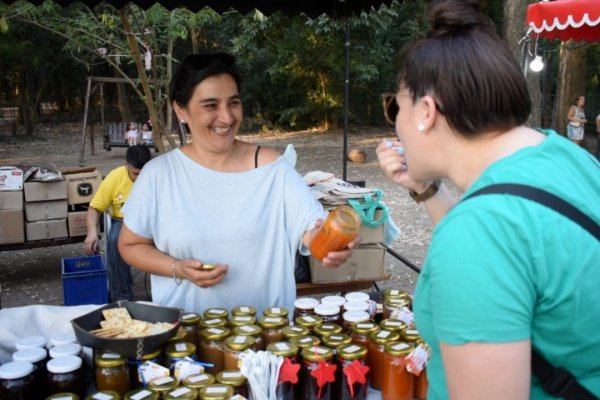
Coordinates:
(365, 264)
(11, 200)
(12, 229)
(49, 229)
(43, 210)
(11, 178)
(77, 223)
(44, 191)
(81, 187)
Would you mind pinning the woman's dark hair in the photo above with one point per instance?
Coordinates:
(468, 69)
(137, 156)
(197, 67)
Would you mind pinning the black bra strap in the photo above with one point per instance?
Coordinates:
(256, 156)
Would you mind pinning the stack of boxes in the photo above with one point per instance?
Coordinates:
(45, 210)
(12, 229)
(81, 187)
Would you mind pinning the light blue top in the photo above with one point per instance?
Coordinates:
(502, 269)
(254, 221)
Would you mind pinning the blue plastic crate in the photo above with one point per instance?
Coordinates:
(85, 280)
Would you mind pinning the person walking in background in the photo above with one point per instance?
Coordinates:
(131, 135)
(111, 197)
(576, 118)
(505, 279)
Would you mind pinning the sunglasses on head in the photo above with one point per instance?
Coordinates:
(391, 107)
(201, 61)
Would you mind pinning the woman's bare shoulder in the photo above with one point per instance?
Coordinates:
(267, 155)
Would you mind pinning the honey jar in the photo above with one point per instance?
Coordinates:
(216, 391)
(236, 380)
(271, 329)
(293, 331)
(397, 383)
(178, 351)
(190, 323)
(276, 312)
(104, 395)
(198, 381)
(327, 328)
(212, 348)
(309, 322)
(162, 384)
(112, 373)
(135, 378)
(234, 346)
(142, 394)
(181, 393)
(241, 320)
(253, 331)
(216, 312)
(243, 310)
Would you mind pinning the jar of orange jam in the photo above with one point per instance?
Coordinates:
(339, 229)
(377, 341)
(397, 383)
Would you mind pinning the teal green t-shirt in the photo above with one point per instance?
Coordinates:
(501, 268)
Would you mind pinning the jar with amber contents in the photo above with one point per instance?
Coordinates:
(190, 323)
(309, 322)
(335, 340)
(17, 381)
(178, 351)
(391, 305)
(345, 387)
(142, 394)
(241, 320)
(271, 329)
(135, 378)
(181, 393)
(412, 337)
(236, 380)
(329, 313)
(308, 384)
(390, 293)
(198, 381)
(234, 346)
(304, 306)
(38, 357)
(253, 331)
(394, 325)
(285, 389)
(213, 323)
(65, 374)
(361, 332)
(162, 384)
(377, 342)
(216, 391)
(354, 317)
(327, 328)
(276, 312)
(216, 312)
(212, 348)
(290, 332)
(340, 228)
(397, 383)
(63, 396)
(104, 395)
(112, 373)
(243, 310)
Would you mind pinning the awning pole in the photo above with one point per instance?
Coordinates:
(346, 95)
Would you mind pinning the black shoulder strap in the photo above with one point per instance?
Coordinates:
(556, 381)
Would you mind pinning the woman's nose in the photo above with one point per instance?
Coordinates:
(225, 114)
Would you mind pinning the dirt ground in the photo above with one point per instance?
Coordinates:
(33, 276)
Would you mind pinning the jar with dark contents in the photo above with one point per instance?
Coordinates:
(135, 377)
(63, 338)
(216, 312)
(290, 332)
(234, 346)
(362, 331)
(354, 317)
(309, 322)
(198, 381)
(309, 386)
(397, 383)
(335, 340)
(277, 312)
(329, 313)
(333, 300)
(65, 374)
(241, 320)
(285, 389)
(38, 357)
(142, 394)
(69, 349)
(347, 384)
(181, 393)
(377, 342)
(216, 391)
(271, 329)
(394, 325)
(178, 351)
(236, 380)
(304, 306)
(327, 328)
(253, 331)
(190, 323)
(28, 342)
(112, 373)
(104, 395)
(243, 310)
(212, 348)
(162, 384)
(17, 381)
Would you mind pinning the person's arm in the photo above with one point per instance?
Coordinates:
(333, 259)
(90, 244)
(571, 115)
(142, 254)
(491, 371)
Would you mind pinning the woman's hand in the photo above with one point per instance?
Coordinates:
(390, 154)
(195, 271)
(334, 259)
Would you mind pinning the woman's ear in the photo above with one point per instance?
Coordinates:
(428, 111)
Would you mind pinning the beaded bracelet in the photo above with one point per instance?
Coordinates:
(177, 280)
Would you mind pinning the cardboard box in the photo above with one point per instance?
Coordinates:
(42, 210)
(77, 223)
(49, 229)
(365, 264)
(11, 178)
(11, 200)
(82, 187)
(44, 191)
(372, 235)
(12, 229)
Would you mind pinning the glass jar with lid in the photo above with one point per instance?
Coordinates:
(234, 346)
(334, 300)
(276, 312)
(392, 305)
(391, 293)
(293, 331)
(135, 376)
(28, 342)
(178, 351)
(397, 383)
(347, 356)
(361, 332)
(63, 338)
(377, 342)
(213, 323)
(179, 336)
(327, 328)
(17, 381)
(181, 393)
(336, 339)
(104, 395)
(38, 357)
(271, 329)
(243, 310)
(315, 357)
(354, 317)
(304, 342)
(162, 384)
(253, 331)
(356, 305)
(198, 381)
(216, 391)
(212, 348)
(69, 349)
(421, 381)
(329, 313)
(63, 396)
(340, 228)
(309, 322)
(357, 296)
(286, 389)
(304, 306)
(142, 394)
(394, 325)
(216, 312)
(112, 373)
(236, 380)
(65, 374)
(190, 323)
(241, 320)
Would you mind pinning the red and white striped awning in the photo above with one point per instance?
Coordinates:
(565, 19)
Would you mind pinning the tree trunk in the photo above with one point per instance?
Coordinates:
(123, 100)
(571, 82)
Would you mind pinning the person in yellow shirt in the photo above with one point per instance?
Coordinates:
(111, 197)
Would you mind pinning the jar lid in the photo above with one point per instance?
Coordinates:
(180, 349)
(162, 383)
(213, 323)
(104, 395)
(69, 349)
(395, 294)
(181, 392)
(356, 316)
(317, 353)
(64, 364)
(15, 369)
(327, 328)
(398, 348)
(356, 305)
(283, 349)
(149, 356)
(243, 310)
(240, 320)
(247, 330)
(272, 322)
(32, 355)
(393, 325)
(141, 394)
(63, 338)
(306, 341)
(179, 336)
(384, 336)
(360, 296)
(109, 360)
(327, 309)
(196, 381)
(214, 333)
(336, 339)
(305, 303)
(411, 335)
(216, 391)
(63, 396)
(335, 300)
(351, 351)
(290, 332)
(395, 302)
(190, 319)
(275, 312)
(231, 377)
(215, 312)
(30, 341)
(239, 342)
(309, 321)
(365, 328)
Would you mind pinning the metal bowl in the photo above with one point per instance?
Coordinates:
(132, 348)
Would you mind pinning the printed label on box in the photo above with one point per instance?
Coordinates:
(11, 178)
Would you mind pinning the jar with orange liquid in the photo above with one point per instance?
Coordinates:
(339, 229)
(397, 382)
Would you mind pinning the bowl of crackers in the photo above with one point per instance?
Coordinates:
(128, 328)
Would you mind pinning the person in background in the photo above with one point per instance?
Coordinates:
(147, 134)
(218, 221)
(111, 197)
(502, 274)
(576, 118)
(131, 134)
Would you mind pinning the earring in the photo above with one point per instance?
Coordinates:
(182, 121)
(421, 127)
